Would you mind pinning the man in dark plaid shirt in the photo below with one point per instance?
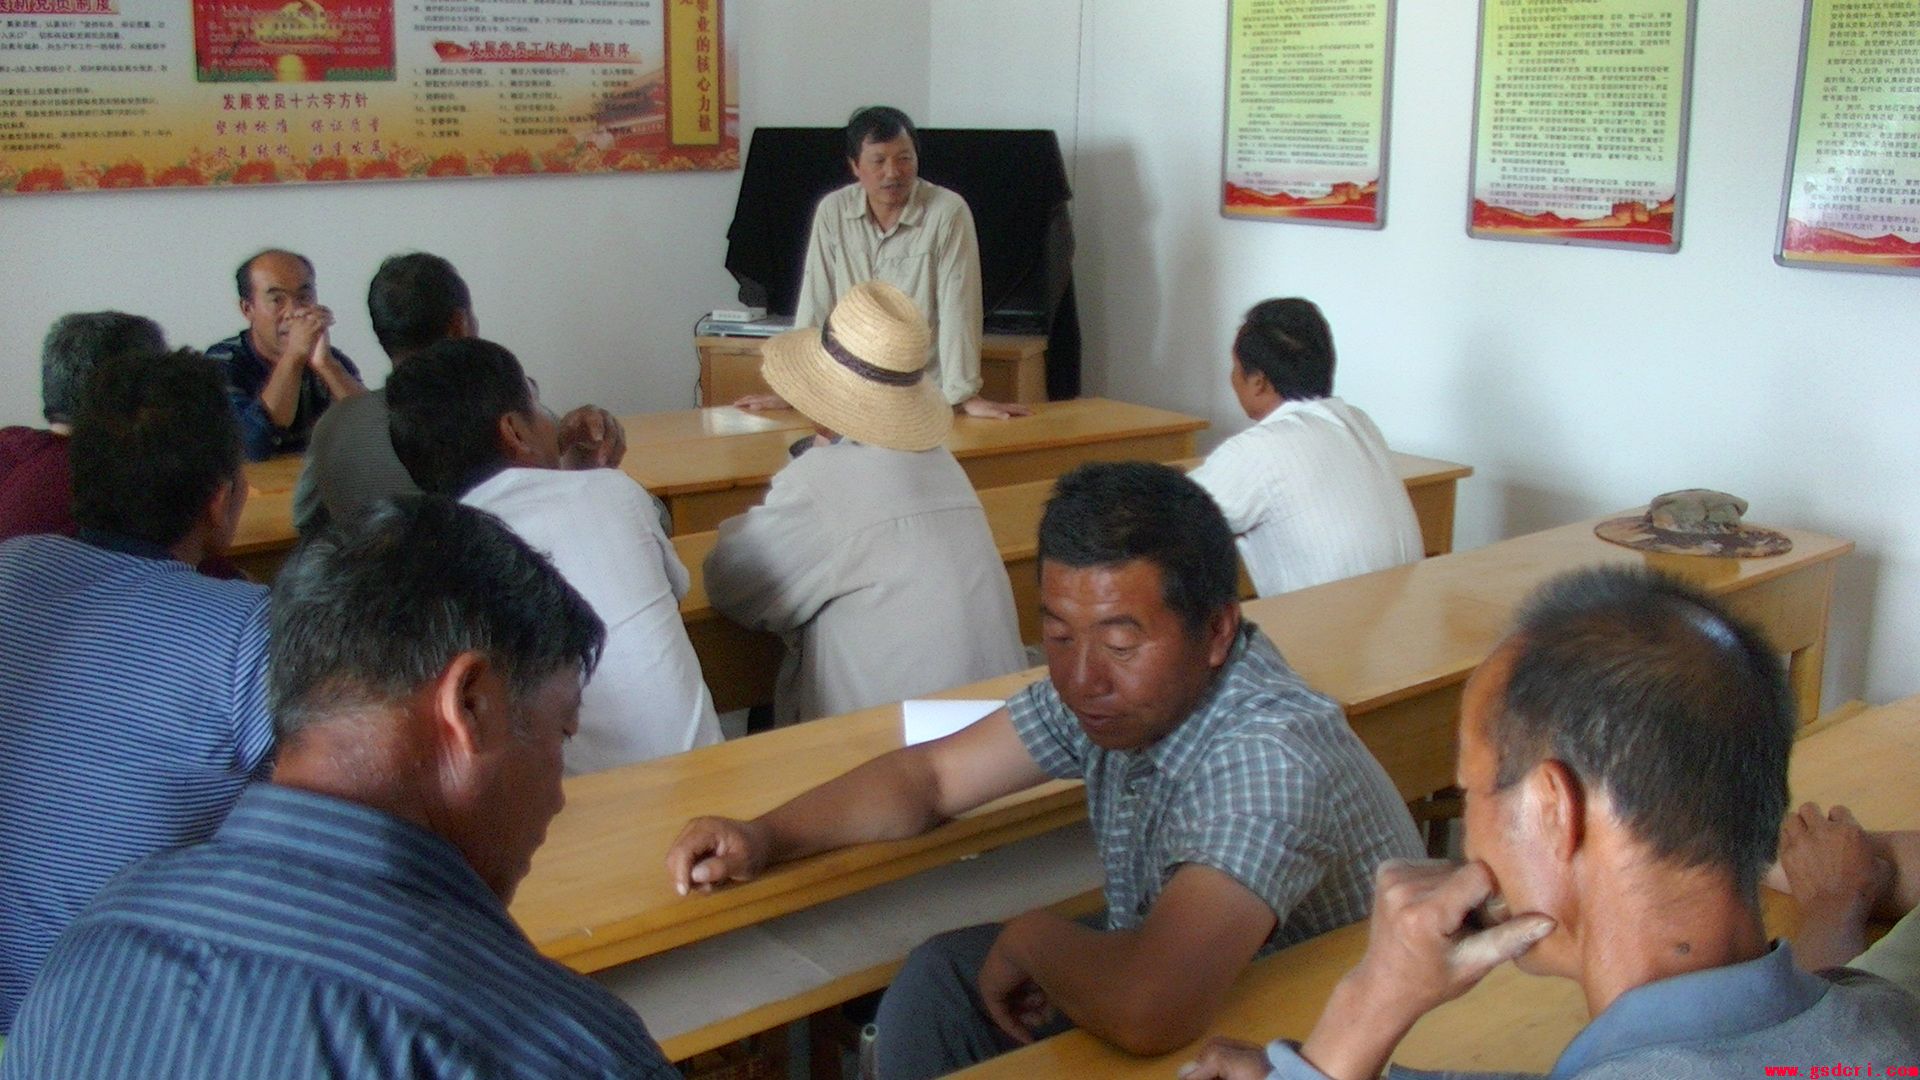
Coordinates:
(1235, 810)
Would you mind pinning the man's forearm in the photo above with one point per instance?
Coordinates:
(1356, 1034)
(888, 798)
(280, 397)
(1096, 979)
(340, 385)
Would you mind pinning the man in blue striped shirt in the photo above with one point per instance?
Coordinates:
(349, 919)
(132, 689)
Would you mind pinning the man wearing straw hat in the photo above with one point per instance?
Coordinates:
(871, 554)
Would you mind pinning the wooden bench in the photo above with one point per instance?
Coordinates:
(1511, 1022)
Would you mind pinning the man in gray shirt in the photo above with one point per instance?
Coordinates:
(1624, 758)
(413, 301)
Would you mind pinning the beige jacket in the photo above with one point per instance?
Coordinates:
(879, 569)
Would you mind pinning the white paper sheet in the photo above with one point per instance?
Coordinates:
(926, 721)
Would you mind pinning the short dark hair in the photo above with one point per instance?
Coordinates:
(443, 412)
(1107, 513)
(1289, 342)
(412, 300)
(154, 438)
(243, 277)
(365, 614)
(1654, 693)
(77, 343)
(878, 123)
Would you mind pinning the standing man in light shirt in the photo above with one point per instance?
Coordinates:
(1310, 490)
(918, 237)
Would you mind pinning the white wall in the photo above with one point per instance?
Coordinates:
(595, 281)
(1576, 381)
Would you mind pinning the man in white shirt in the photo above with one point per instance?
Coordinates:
(467, 423)
(1310, 490)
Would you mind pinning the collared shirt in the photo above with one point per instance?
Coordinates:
(351, 464)
(1737, 1020)
(1263, 781)
(930, 254)
(132, 714)
(314, 937)
(247, 372)
(1312, 493)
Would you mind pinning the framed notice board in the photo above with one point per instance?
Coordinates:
(1308, 82)
(1580, 122)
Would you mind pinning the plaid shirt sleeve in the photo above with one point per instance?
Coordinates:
(1048, 730)
(1259, 817)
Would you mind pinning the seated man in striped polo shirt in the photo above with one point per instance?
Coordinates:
(349, 918)
(132, 693)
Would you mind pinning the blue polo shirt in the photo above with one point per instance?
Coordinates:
(314, 937)
(132, 713)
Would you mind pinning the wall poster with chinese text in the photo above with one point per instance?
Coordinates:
(1308, 83)
(1852, 199)
(100, 94)
(1580, 122)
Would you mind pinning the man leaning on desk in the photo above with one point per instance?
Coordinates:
(282, 370)
(1235, 810)
(1624, 758)
(889, 225)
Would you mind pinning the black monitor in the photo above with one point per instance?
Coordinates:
(1014, 181)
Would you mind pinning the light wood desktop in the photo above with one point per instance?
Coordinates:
(1391, 647)
(710, 464)
(704, 482)
(1511, 1021)
(740, 664)
(1013, 367)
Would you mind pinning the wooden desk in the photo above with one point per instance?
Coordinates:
(1511, 1021)
(704, 482)
(710, 464)
(740, 664)
(1013, 367)
(1391, 647)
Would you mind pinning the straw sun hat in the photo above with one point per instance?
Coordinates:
(863, 374)
(1696, 521)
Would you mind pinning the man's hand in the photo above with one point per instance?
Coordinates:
(761, 402)
(591, 438)
(1227, 1059)
(1014, 1001)
(713, 851)
(1828, 862)
(991, 410)
(307, 341)
(1837, 880)
(1421, 953)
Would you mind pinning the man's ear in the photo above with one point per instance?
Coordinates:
(1222, 627)
(221, 515)
(515, 436)
(1557, 800)
(467, 708)
(463, 324)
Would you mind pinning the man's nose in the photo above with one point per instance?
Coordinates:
(1089, 673)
